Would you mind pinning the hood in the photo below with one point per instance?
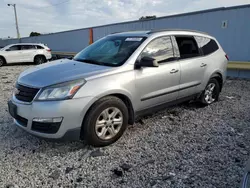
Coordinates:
(59, 71)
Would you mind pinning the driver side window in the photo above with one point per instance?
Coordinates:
(14, 48)
(160, 49)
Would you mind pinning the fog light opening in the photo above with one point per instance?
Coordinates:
(48, 120)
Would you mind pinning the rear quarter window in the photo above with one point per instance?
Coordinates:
(39, 47)
(206, 45)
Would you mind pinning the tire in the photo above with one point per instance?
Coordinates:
(211, 92)
(2, 61)
(39, 59)
(101, 112)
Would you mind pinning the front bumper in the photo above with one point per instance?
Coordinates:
(72, 111)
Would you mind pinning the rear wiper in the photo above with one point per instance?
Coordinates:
(90, 61)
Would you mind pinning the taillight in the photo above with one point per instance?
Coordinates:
(227, 57)
(49, 50)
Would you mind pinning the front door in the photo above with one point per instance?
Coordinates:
(158, 85)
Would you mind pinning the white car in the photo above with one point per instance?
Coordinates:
(24, 52)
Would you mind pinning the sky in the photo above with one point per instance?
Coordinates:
(49, 16)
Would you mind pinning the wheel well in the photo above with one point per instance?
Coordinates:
(219, 78)
(3, 59)
(129, 105)
(126, 101)
(40, 55)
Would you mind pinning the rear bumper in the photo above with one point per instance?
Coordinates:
(48, 56)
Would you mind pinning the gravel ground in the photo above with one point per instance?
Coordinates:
(184, 146)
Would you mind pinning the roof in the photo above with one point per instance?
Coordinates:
(27, 44)
(131, 33)
(177, 30)
(147, 33)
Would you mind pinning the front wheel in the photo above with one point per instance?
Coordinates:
(1, 61)
(211, 92)
(105, 122)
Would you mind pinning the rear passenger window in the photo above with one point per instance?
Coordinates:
(187, 46)
(160, 49)
(27, 47)
(206, 45)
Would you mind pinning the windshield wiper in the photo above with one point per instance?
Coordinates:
(90, 61)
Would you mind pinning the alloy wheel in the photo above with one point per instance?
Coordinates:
(210, 93)
(1, 62)
(109, 123)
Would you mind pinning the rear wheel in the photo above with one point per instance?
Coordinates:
(2, 61)
(211, 92)
(39, 60)
(105, 122)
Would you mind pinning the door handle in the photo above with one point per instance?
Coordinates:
(174, 71)
(203, 64)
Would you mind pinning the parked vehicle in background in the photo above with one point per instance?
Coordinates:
(246, 178)
(25, 52)
(115, 80)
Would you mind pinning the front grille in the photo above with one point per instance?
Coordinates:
(25, 94)
(22, 121)
(49, 128)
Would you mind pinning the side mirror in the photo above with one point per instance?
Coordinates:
(147, 62)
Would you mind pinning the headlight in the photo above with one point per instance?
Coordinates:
(61, 91)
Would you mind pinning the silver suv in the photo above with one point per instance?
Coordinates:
(120, 77)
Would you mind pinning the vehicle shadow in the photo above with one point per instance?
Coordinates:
(19, 141)
(15, 64)
(23, 142)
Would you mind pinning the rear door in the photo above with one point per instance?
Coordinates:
(27, 53)
(157, 85)
(208, 47)
(191, 64)
(12, 54)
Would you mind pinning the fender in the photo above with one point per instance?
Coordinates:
(123, 95)
(218, 74)
(5, 62)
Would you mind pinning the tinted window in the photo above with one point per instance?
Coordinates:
(206, 45)
(187, 46)
(39, 47)
(160, 49)
(14, 48)
(27, 47)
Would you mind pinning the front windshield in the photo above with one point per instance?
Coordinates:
(110, 51)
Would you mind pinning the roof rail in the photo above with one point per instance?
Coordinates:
(162, 30)
(130, 31)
